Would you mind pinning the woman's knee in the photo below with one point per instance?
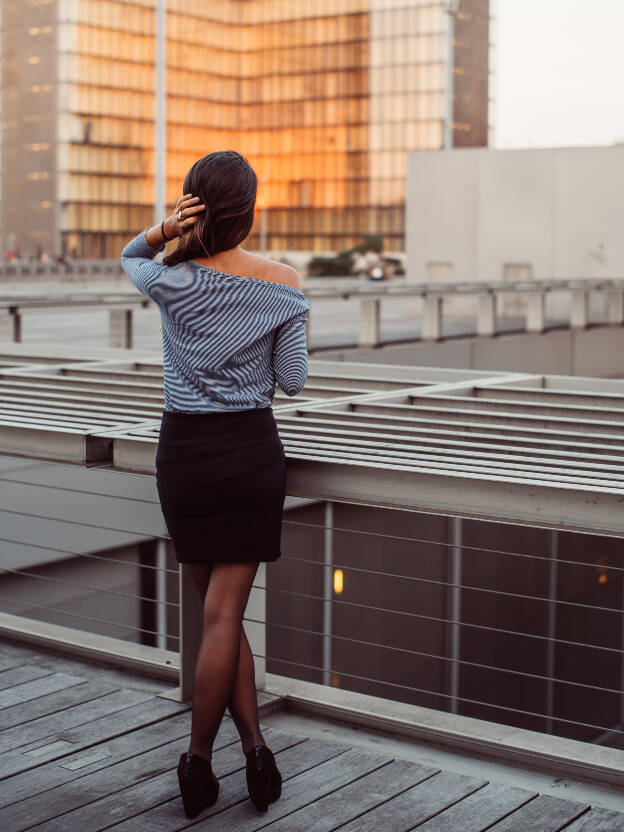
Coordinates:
(222, 612)
(228, 593)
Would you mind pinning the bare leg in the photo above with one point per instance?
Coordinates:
(224, 675)
(243, 704)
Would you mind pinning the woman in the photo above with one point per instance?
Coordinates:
(232, 326)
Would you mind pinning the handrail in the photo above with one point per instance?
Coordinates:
(430, 317)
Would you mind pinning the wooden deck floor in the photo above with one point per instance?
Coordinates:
(82, 752)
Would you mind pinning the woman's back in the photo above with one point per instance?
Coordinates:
(239, 263)
(227, 338)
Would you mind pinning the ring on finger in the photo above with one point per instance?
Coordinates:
(180, 218)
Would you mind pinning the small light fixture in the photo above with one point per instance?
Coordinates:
(338, 581)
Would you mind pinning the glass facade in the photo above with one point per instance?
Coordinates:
(324, 98)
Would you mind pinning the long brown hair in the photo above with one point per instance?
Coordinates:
(227, 185)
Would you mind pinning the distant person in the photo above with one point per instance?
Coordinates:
(40, 254)
(232, 325)
(13, 254)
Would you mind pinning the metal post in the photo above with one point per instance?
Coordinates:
(254, 624)
(161, 124)
(161, 594)
(456, 578)
(191, 625)
(328, 590)
(536, 312)
(552, 629)
(370, 322)
(120, 328)
(615, 307)
(579, 309)
(432, 317)
(486, 316)
(10, 325)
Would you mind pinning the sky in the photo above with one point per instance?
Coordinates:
(559, 67)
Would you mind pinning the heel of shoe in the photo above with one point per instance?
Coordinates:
(199, 788)
(259, 787)
(264, 781)
(276, 785)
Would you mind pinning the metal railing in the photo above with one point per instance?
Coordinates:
(412, 615)
(452, 539)
(75, 268)
(429, 319)
(120, 307)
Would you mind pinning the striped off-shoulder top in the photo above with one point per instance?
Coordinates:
(227, 339)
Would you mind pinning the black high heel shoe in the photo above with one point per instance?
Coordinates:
(264, 780)
(198, 785)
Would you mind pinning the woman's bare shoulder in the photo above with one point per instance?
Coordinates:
(277, 272)
(283, 273)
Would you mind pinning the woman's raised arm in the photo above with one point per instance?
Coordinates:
(138, 255)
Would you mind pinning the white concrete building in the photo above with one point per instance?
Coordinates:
(487, 214)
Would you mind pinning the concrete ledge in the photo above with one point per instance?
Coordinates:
(464, 735)
(595, 351)
(138, 658)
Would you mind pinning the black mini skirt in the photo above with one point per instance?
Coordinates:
(221, 480)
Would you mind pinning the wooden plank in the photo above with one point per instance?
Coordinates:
(52, 703)
(20, 674)
(479, 810)
(49, 726)
(151, 793)
(292, 761)
(354, 799)
(39, 685)
(100, 730)
(546, 813)
(108, 779)
(417, 804)
(56, 773)
(302, 790)
(7, 661)
(598, 820)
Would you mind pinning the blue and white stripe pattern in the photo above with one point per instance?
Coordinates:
(226, 339)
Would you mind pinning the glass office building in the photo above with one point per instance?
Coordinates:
(324, 98)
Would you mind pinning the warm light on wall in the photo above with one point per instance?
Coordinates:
(338, 581)
(600, 568)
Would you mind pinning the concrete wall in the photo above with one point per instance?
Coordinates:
(492, 214)
(595, 352)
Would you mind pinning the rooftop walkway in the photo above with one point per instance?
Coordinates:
(91, 748)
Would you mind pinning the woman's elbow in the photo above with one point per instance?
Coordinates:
(292, 388)
(292, 385)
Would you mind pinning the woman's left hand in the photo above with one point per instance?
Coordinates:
(187, 208)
